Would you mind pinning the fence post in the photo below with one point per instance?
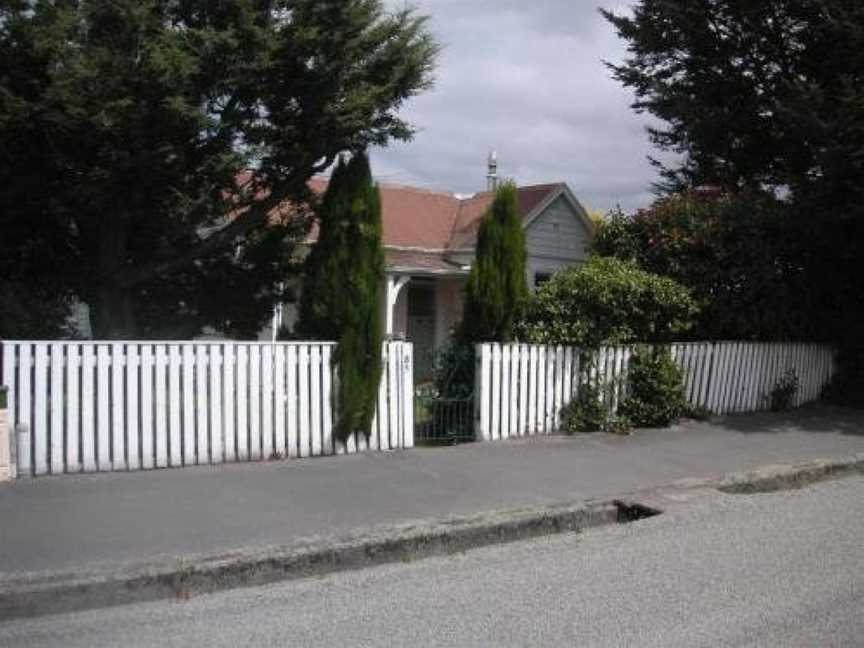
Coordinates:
(408, 394)
(481, 392)
(7, 440)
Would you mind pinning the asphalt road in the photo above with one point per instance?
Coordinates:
(780, 569)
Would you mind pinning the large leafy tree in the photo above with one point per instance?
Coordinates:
(765, 96)
(734, 252)
(752, 93)
(342, 291)
(148, 145)
(497, 289)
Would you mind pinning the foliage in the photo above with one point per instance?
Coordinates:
(590, 410)
(497, 288)
(147, 145)
(655, 389)
(790, 66)
(698, 413)
(342, 288)
(732, 251)
(607, 301)
(597, 216)
(765, 96)
(32, 311)
(847, 385)
(783, 393)
(586, 412)
(453, 371)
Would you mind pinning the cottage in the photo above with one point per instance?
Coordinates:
(430, 240)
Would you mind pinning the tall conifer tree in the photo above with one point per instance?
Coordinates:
(146, 146)
(342, 287)
(497, 288)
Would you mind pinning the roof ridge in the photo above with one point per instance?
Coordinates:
(401, 187)
(419, 190)
(456, 218)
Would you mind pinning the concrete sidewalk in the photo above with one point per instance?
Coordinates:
(59, 522)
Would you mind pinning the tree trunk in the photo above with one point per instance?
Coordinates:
(112, 315)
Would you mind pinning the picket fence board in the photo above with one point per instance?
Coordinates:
(279, 404)
(521, 389)
(103, 406)
(379, 424)
(19, 410)
(406, 395)
(291, 440)
(132, 436)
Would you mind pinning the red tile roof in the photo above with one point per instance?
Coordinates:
(472, 210)
(429, 220)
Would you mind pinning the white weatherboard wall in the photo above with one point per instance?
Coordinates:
(521, 388)
(101, 406)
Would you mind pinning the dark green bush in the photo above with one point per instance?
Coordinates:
(734, 252)
(655, 395)
(589, 411)
(453, 371)
(847, 385)
(606, 301)
(585, 413)
(783, 394)
(698, 413)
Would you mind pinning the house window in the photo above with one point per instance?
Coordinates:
(541, 277)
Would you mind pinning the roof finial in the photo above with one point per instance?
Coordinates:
(492, 173)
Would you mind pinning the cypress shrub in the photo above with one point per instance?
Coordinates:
(497, 289)
(342, 286)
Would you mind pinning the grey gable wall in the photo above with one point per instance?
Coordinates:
(555, 239)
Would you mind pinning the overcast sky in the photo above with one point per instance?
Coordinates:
(525, 77)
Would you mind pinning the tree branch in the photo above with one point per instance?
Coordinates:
(254, 217)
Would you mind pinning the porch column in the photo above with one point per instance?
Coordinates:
(394, 285)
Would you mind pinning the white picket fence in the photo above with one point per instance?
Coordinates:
(521, 388)
(101, 406)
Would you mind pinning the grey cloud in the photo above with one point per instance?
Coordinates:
(527, 79)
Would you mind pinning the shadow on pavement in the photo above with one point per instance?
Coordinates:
(810, 418)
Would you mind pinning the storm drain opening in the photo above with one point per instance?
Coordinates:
(633, 511)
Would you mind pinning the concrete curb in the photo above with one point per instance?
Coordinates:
(781, 477)
(42, 593)
(88, 587)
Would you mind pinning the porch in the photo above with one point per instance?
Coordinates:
(424, 308)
